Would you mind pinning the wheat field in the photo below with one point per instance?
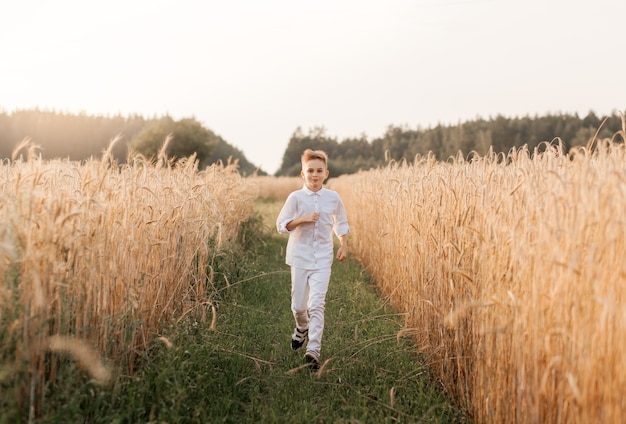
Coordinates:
(508, 268)
(276, 188)
(96, 258)
(510, 271)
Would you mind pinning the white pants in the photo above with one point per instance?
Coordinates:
(308, 299)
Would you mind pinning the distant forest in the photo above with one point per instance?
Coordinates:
(445, 141)
(79, 137)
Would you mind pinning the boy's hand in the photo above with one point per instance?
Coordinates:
(312, 217)
(342, 253)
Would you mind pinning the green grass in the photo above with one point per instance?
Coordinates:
(244, 370)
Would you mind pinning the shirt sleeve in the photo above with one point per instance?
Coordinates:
(340, 226)
(286, 215)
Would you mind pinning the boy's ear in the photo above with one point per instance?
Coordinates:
(301, 174)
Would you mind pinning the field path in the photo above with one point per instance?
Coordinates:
(240, 368)
(369, 374)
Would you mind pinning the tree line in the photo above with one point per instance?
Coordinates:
(444, 141)
(81, 136)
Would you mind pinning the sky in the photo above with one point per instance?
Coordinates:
(254, 71)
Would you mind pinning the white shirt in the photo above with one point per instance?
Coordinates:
(310, 245)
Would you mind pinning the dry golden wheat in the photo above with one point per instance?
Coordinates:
(511, 272)
(87, 357)
(276, 188)
(99, 255)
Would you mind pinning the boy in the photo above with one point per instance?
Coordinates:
(310, 216)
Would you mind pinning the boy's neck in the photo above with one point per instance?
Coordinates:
(313, 189)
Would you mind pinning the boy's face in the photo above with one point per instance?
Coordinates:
(314, 173)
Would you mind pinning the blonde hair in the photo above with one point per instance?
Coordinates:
(314, 154)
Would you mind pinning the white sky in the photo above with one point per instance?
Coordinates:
(252, 71)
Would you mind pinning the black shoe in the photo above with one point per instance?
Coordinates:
(314, 362)
(298, 338)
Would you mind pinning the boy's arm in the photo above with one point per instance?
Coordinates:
(342, 252)
(341, 227)
(286, 213)
(312, 217)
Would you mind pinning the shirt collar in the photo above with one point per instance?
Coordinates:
(310, 192)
